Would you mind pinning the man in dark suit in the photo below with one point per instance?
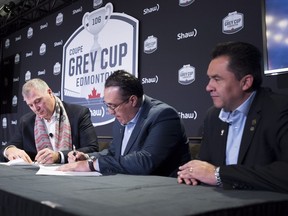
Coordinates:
(245, 139)
(48, 134)
(148, 135)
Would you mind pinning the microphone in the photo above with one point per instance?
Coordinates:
(51, 135)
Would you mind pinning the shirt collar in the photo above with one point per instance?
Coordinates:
(243, 108)
(135, 119)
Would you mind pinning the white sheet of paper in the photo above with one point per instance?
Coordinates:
(51, 170)
(18, 162)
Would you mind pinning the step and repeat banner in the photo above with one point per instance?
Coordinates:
(167, 44)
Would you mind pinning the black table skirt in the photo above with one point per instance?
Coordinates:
(24, 193)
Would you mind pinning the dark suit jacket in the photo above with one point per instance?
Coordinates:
(83, 133)
(263, 154)
(158, 144)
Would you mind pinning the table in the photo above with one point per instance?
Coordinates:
(24, 193)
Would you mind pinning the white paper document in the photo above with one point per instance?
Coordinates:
(51, 170)
(18, 162)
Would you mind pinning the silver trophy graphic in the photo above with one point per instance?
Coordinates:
(95, 21)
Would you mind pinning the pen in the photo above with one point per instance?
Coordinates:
(74, 150)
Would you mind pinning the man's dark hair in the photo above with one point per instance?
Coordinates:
(244, 58)
(128, 83)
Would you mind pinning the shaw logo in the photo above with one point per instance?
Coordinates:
(92, 53)
(181, 35)
(192, 115)
(150, 80)
(14, 122)
(152, 9)
(18, 38)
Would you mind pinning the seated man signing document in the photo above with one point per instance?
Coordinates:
(49, 132)
(148, 135)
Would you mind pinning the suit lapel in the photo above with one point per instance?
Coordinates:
(139, 125)
(252, 122)
(222, 140)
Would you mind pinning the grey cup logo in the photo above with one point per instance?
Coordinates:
(57, 68)
(14, 101)
(4, 122)
(7, 43)
(92, 53)
(42, 49)
(150, 44)
(27, 76)
(30, 33)
(186, 75)
(233, 23)
(17, 58)
(59, 19)
(97, 3)
(95, 21)
(185, 3)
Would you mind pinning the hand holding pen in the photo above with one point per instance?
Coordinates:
(74, 156)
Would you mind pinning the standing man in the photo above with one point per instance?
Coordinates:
(48, 134)
(245, 139)
(148, 135)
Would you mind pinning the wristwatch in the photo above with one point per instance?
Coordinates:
(91, 163)
(217, 176)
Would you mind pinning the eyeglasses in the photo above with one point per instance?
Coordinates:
(113, 107)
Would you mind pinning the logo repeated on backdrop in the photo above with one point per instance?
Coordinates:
(27, 76)
(7, 43)
(29, 54)
(17, 58)
(92, 53)
(185, 35)
(146, 80)
(57, 68)
(59, 19)
(97, 3)
(184, 3)
(30, 33)
(233, 23)
(150, 44)
(192, 115)
(151, 10)
(186, 75)
(4, 122)
(42, 49)
(43, 26)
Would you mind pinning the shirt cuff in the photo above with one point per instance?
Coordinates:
(62, 159)
(97, 165)
(4, 152)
